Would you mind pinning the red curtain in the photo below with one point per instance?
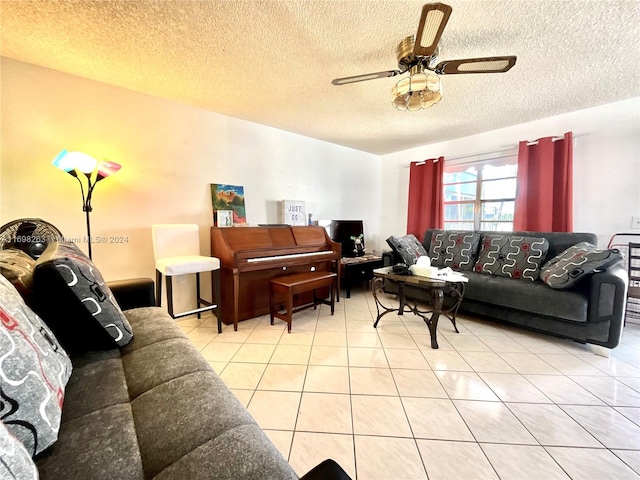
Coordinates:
(426, 207)
(544, 200)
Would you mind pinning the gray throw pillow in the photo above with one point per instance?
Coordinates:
(74, 300)
(512, 256)
(16, 462)
(565, 269)
(457, 250)
(408, 247)
(34, 372)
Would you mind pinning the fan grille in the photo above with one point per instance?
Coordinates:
(31, 235)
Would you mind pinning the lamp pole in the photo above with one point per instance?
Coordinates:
(76, 162)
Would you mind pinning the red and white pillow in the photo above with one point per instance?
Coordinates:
(512, 256)
(34, 370)
(454, 249)
(16, 463)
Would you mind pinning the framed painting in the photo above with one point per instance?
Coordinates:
(229, 198)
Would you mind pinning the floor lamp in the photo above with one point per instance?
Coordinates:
(80, 165)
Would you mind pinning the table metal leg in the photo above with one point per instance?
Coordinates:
(381, 309)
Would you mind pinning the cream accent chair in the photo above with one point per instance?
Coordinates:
(176, 250)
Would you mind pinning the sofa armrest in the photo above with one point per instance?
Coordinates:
(133, 293)
(607, 302)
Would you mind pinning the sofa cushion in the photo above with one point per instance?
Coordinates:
(512, 256)
(93, 386)
(534, 297)
(34, 372)
(152, 325)
(457, 250)
(567, 268)
(219, 455)
(16, 462)
(160, 362)
(99, 445)
(72, 297)
(194, 409)
(408, 247)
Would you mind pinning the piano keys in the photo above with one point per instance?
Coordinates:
(251, 256)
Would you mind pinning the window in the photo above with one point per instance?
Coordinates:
(481, 197)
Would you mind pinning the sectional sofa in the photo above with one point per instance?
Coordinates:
(133, 400)
(552, 282)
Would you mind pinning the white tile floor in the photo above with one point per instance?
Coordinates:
(493, 402)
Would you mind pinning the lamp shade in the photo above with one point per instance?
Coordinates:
(69, 161)
(64, 162)
(106, 168)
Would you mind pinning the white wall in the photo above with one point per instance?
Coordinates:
(170, 153)
(606, 166)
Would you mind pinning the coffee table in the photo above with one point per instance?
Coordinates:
(437, 288)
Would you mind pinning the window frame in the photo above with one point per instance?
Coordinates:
(478, 202)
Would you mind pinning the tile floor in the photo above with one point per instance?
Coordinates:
(492, 402)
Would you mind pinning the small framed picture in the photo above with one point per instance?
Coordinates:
(224, 218)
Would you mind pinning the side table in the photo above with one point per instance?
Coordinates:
(358, 269)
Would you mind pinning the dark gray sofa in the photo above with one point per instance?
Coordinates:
(590, 312)
(156, 409)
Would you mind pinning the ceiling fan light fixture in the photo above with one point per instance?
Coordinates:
(418, 90)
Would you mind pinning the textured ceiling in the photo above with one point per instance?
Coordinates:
(272, 62)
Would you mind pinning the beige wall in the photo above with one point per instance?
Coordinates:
(170, 153)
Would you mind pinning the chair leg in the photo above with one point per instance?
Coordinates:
(217, 299)
(170, 296)
(158, 288)
(198, 291)
(333, 296)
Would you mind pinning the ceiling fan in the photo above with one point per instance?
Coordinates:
(418, 55)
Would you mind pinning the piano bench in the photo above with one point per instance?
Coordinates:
(296, 283)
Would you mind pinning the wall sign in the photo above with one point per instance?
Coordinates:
(293, 212)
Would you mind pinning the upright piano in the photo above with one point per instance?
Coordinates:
(251, 256)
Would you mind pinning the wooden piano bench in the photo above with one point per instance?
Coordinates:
(290, 285)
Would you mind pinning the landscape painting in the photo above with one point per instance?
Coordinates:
(229, 197)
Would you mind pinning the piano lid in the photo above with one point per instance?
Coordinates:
(259, 238)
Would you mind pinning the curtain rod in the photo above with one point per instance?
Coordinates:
(492, 152)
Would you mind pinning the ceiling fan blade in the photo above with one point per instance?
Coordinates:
(365, 77)
(432, 22)
(476, 65)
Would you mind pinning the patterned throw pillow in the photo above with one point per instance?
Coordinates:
(457, 250)
(34, 370)
(74, 300)
(408, 247)
(512, 256)
(16, 462)
(565, 269)
(17, 267)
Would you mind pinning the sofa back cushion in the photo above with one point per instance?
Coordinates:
(408, 247)
(72, 297)
(567, 268)
(512, 256)
(457, 250)
(33, 373)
